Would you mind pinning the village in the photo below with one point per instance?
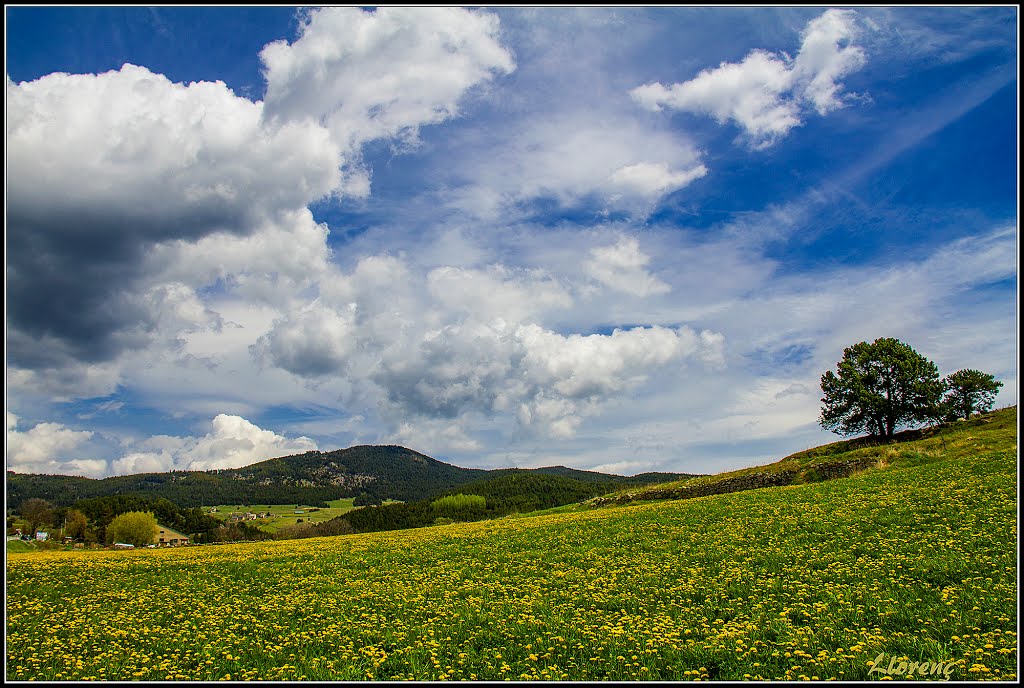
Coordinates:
(164, 537)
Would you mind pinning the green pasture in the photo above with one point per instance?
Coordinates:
(282, 515)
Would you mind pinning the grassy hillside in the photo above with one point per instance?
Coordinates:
(997, 430)
(916, 562)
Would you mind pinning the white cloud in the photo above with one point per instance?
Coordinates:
(750, 93)
(826, 56)
(81, 147)
(271, 264)
(765, 93)
(232, 442)
(449, 344)
(652, 180)
(235, 442)
(42, 449)
(623, 267)
(372, 74)
(574, 157)
(64, 382)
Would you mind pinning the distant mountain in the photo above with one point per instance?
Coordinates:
(375, 472)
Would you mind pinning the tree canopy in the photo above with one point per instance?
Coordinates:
(37, 512)
(879, 387)
(133, 527)
(969, 391)
(76, 525)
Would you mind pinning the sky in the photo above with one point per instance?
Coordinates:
(616, 239)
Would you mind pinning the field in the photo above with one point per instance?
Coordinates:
(907, 564)
(284, 515)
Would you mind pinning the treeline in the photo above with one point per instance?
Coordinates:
(517, 491)
(187, 489)
(87, 519)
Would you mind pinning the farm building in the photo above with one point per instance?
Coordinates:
(166, 536)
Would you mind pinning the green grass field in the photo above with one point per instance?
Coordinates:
(915, 562)
(283, 514)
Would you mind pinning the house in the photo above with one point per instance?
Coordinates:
(166, 536)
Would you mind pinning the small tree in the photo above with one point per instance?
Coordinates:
(133, 527)
(878, 387)
(969, 391)
(76, 524)
(37, 512)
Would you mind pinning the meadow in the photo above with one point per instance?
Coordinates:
(282, 515)
(816, 581)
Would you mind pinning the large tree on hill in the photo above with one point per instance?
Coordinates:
(969, 391)
(879, 387)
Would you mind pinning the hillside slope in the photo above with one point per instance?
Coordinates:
(840, 459)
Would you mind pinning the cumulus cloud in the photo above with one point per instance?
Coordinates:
(549, 381)
(104, 167)
(232, 442)
(44, 448)
(454, 343)
(126, 190)
(767, 94)
(275, 261)
(384, 73)
(310, 342)
(623, 267)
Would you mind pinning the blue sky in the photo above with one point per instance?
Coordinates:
(622, 239)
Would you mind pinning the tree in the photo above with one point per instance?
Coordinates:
(133, 527)
(37, 512)
(969, 391)
(76, 524)
(879, 387)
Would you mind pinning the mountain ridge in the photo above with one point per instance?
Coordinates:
(376, 472)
